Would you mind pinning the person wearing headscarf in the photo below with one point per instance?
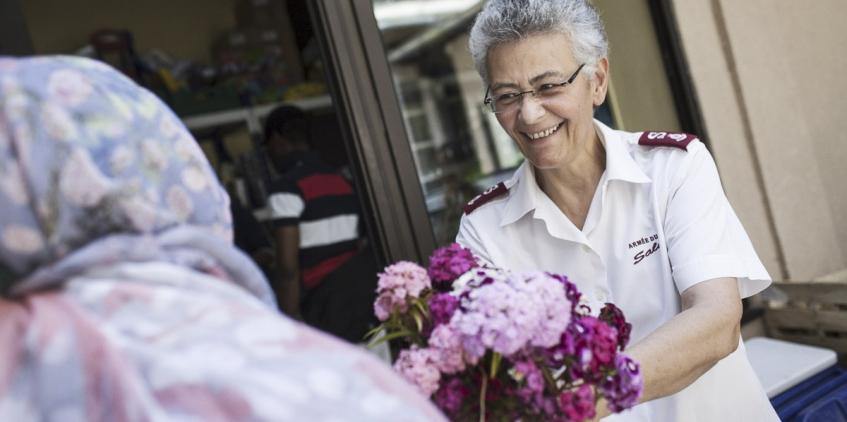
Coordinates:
(122, 297)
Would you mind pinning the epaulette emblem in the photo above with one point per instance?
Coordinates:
(665, 139)
(489, 194)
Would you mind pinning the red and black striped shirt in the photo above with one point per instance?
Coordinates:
(321, 202)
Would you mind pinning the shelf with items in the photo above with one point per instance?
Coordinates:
(251, 115)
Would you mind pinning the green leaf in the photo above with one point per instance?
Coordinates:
(418, 320)
(419, 305)
(495, 364)
(387, 337)
(373, 332)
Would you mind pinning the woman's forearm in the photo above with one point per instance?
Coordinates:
(684, 348)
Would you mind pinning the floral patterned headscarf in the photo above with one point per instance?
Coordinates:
(115, 253)
(96, 170)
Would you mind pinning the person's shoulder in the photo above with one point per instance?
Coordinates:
(493, 194)
(653, 148)
(650, 140)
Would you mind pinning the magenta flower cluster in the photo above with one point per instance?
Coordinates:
(448, 263)
(518, 346)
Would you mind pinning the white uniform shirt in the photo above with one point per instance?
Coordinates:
(658, 224)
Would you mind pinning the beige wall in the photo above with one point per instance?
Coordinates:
(181, 28)
(637, 71)
(770, 80)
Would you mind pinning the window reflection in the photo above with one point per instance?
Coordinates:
(459, 149)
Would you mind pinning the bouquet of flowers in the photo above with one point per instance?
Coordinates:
(487, 344)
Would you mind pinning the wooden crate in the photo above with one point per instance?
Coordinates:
(812, 313)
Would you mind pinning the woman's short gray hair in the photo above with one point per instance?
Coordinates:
(503, 21)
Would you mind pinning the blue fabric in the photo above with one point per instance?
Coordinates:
(95, 169)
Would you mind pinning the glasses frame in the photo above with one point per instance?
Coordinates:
(490, 105)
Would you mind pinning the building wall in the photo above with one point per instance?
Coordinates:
(770, 82)
(640, 91)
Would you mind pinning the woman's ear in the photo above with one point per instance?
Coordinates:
(601, 82)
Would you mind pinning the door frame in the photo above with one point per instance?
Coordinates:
(375, 136)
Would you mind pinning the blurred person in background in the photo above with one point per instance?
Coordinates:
(324, 273)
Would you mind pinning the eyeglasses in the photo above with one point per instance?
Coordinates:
(511, 101)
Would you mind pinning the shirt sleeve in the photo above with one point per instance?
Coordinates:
(469, 238)
(704, 236)
(286, 204)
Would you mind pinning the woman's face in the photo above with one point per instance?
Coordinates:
(550, 132)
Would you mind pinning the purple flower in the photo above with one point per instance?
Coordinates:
(528, 374)
(578, 404)
(593, 345)
(622, 389)
(442, 306)
(397, 283)
(451, 395)
(571, 292)
(511, 314)
(613, 316)
(418, 367)
(447, 349)
(448, 263)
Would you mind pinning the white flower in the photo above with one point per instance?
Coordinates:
(194, 178)
(22, 239)
(147, 105)
(180, 203)
(168, 126)
(81, 182)
(121, 158)
(105, 125)
(58, 123)
(121, 105)
(12, 184)
(69, 87)
(154, 158)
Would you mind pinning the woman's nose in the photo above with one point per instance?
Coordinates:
(531, 109)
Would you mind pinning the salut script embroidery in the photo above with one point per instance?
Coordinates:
(647, 252)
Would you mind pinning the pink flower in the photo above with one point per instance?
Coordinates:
(418, 367)
(448, 263)
(447, 347)
(578, 404)
(397, 284)
(511, 314)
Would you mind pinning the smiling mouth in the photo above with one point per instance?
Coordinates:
(543, 133)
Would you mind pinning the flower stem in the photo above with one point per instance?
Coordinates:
(495, 364)
(482, 397)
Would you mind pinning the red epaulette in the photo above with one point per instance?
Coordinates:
(489, 194)
(665, 139)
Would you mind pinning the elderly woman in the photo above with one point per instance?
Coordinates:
(637, 219)
(122, 297)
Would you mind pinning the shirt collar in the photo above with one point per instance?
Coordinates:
(527, 195)
(619, 162)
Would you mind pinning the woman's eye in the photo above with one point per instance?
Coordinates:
(507, 97)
